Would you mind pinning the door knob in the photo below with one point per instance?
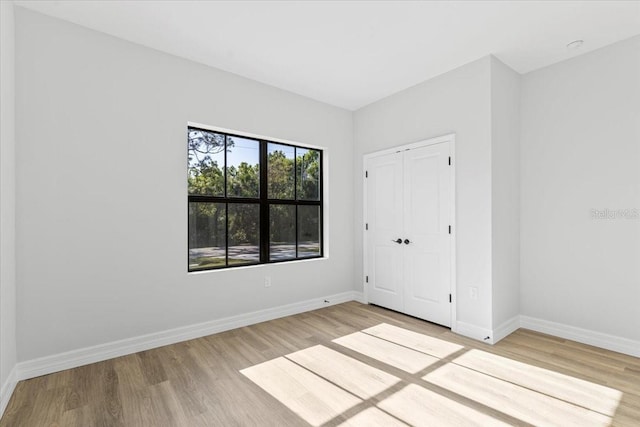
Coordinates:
(398, 241)
(407, 241)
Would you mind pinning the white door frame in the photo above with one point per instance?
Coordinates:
(450, 138)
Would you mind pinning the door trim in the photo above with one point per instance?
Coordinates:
(451, 139)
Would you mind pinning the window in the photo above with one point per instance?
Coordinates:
(251, 201)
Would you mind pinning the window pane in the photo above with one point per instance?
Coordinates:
(280, 171)
(207, 236)
(282, 232)
(206, 162)
(243, 167)
(308, 170)
(308, 231)
(244, 233)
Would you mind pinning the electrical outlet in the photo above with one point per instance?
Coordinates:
(473, 292)
(267, 281)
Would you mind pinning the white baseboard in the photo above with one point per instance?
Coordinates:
(505, 329)
(84, 356)
(475, 332)
(585, 336)
(58, 362)
(7, 390)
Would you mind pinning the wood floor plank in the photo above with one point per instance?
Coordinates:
(77, 417)
(183, 375)
(151, 367)
(137, 408)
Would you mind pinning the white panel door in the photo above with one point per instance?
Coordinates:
(384, 218)
(427, 252)
(408, 198)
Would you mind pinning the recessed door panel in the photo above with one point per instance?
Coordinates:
(422, 195)
(423, 275)
(385, 277)
(385, 213)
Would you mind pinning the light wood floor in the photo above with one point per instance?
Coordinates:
(525, 378)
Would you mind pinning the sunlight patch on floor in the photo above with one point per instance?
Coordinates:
(312, 398)
(323, 385)
(421, 407)
(420, 342)
(518, 402)
(574, 390)
(352, 375)
(392, 354)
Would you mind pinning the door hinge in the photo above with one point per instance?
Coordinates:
(450, 298)
(366, 226)
(366, 174)
(449, 160)
(366, 279)
(449, 229)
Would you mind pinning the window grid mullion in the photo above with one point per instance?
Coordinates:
(264, 205)
(321, 204)
(226, 206)
(295, 193)
(226, 235)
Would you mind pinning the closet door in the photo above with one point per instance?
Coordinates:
(408, 241)
(426, 220)
(384, 219)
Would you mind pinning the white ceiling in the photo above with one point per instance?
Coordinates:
(352, 53)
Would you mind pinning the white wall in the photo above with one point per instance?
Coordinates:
(101, 193)
(505, 184)
(458, 101)
(580, 139)
(7, 203)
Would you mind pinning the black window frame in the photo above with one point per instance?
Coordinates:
(262, 200)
